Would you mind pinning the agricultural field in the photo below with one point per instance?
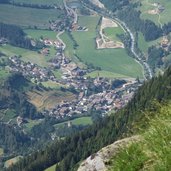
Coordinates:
(40, 2)
(52, 168)
(112, 60)
(143, 45)
(148, 10)
(48, 99)
(51, 84)
(23, 16)
(112, 33)
(78, 121)
(106, 74)
(37, 34)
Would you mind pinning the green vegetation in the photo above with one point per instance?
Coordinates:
(31, 123)
(69, 151)
(40, 2)
(153, 151)
(144, 45)
(23, 16)
(37, 34)
(8, 115)
(148, 5)
(12, 161)
(1, 151)
(52, 168)
(78, 121)
(57, 74)
(4, 74)
(111, 60)
(28, 55)
(51, 84)
(112, 33)
(106, 74)
(49, 99)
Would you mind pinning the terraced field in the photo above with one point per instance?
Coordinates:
(48, 99)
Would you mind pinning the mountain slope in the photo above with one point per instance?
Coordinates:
(75, 148)
(149, 149)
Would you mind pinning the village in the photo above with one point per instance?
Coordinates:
(92, 94)
(103, 102)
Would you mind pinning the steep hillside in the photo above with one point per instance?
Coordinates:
(68, 152)
(148, 149)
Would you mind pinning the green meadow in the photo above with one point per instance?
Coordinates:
(78, 121)
(40, 2)
(147, 5)
(1, 151)
(143, 45)
(28, 17)
(110, 60)
(28, 55)
(106, 74)
(112, 33)
(52, 168)
(37, 34)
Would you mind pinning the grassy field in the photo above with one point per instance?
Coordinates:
(164, 16)
(143, 45)
(57, 74)
(78, 121)
(31, 123)
(112, 33)
(106, 74)
(52, 168)
(48, 99)
(3, 74)
(36, 34)
(1, 151)
(111, 60)
(28, 16)
(51, 84)
(9, 114)
(40, 2)
(28, 55)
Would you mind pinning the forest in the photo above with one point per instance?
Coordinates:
(70, 151)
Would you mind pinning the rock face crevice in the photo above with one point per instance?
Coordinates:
(96, 162)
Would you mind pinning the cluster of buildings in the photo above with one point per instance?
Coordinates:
(30, 70)
(106, 100)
